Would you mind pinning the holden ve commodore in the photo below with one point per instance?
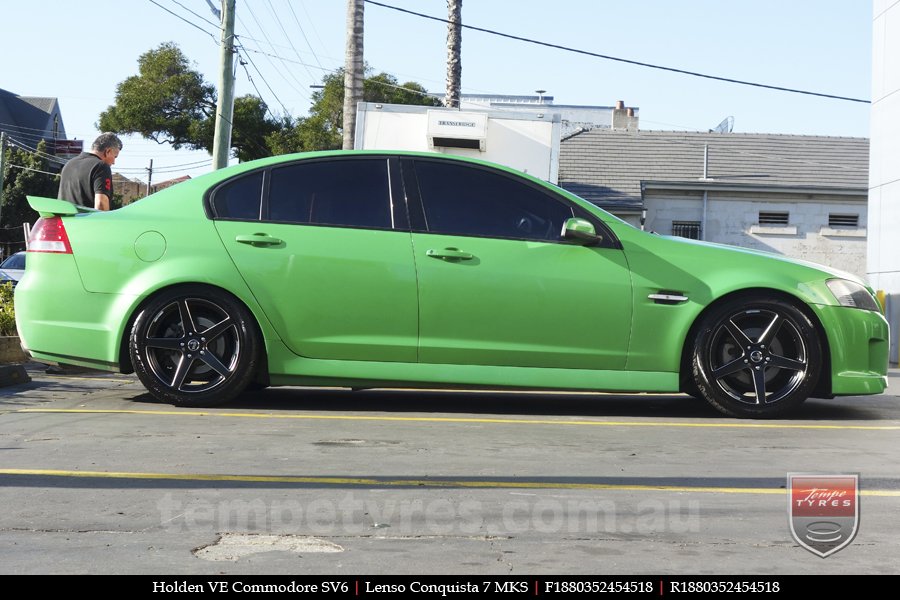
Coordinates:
(365, 269)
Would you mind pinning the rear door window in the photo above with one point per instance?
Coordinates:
(342, 192)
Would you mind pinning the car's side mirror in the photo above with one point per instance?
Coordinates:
(581, 231)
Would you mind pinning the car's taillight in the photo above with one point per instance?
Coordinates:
(49, 235)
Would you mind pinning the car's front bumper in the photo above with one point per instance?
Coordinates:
(859, 342)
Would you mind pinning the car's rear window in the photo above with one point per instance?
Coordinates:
(239, 198)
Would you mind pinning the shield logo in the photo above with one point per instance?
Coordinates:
(823, 511)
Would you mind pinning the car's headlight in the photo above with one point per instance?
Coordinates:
(849, 293)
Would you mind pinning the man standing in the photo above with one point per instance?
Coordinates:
(86, 180)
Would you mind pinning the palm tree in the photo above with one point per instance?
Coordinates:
(454, 53)
(353, 69)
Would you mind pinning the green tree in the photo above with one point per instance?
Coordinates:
(252, 128)
(171, 103)
(328, 102)
(23, 177)
(117, 200)
(7, 310)
(167, 101)
(323, 128)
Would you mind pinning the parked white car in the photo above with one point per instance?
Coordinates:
(13, 268)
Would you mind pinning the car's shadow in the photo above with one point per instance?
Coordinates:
(431, 402)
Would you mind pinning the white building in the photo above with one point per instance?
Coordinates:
(800, 196)
(884, 171)
(573, 117)
(524, 140)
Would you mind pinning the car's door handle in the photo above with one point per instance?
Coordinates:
(450, 254)
(258, 239)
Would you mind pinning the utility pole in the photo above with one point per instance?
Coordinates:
(353, 69)
(454, 53)
(225, 103)
(149, 177)
(2, 167)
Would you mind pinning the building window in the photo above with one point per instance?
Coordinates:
(773, 218)
(686, 229)
(843, 220)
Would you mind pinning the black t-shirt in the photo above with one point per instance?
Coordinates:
(84, 176)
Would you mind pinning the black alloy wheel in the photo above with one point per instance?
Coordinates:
(756, 357)
(195, 346)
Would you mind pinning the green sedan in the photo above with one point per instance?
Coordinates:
(373, 269)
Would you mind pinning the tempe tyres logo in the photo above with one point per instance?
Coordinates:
(823, 511)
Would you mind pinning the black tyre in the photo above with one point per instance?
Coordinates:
(194, 346)
(756, 357)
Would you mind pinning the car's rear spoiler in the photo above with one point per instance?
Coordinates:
(51, 207)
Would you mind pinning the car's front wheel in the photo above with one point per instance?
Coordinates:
(756, 357)
(194, 346)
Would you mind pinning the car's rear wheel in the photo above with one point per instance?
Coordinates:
(756, 357)
(194, 346)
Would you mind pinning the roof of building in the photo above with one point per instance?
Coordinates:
(29, 118)
(170, 182)
(44, 104)
(118, 178)
(5, 115)
(608, 167)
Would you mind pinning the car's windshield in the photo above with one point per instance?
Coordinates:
(16, 261)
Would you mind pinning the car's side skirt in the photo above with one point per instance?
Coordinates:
(301, 371)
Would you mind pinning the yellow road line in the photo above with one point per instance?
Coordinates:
(419, 483)
(187, 413)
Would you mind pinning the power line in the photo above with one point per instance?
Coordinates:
(253, 83)
(337, 70)
(201, 17)
(49, 157)
(279, 57)
(250, 38)
(16, 143)
(302, 32)
(287, 37)
(32, 138)
(173, 169)
(277, 70)
(191, 165)
(176, 15)
(15, 126)
(55, 159)
(21, 146)
(313, 25)
(30, 169)
(622, 60)
(253, 64)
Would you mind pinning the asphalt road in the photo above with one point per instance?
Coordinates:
(97, 477)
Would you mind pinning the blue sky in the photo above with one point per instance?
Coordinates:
(80, 51)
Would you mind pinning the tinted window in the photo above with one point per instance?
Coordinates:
(239, 198)
(462, 200)
(352, 193)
